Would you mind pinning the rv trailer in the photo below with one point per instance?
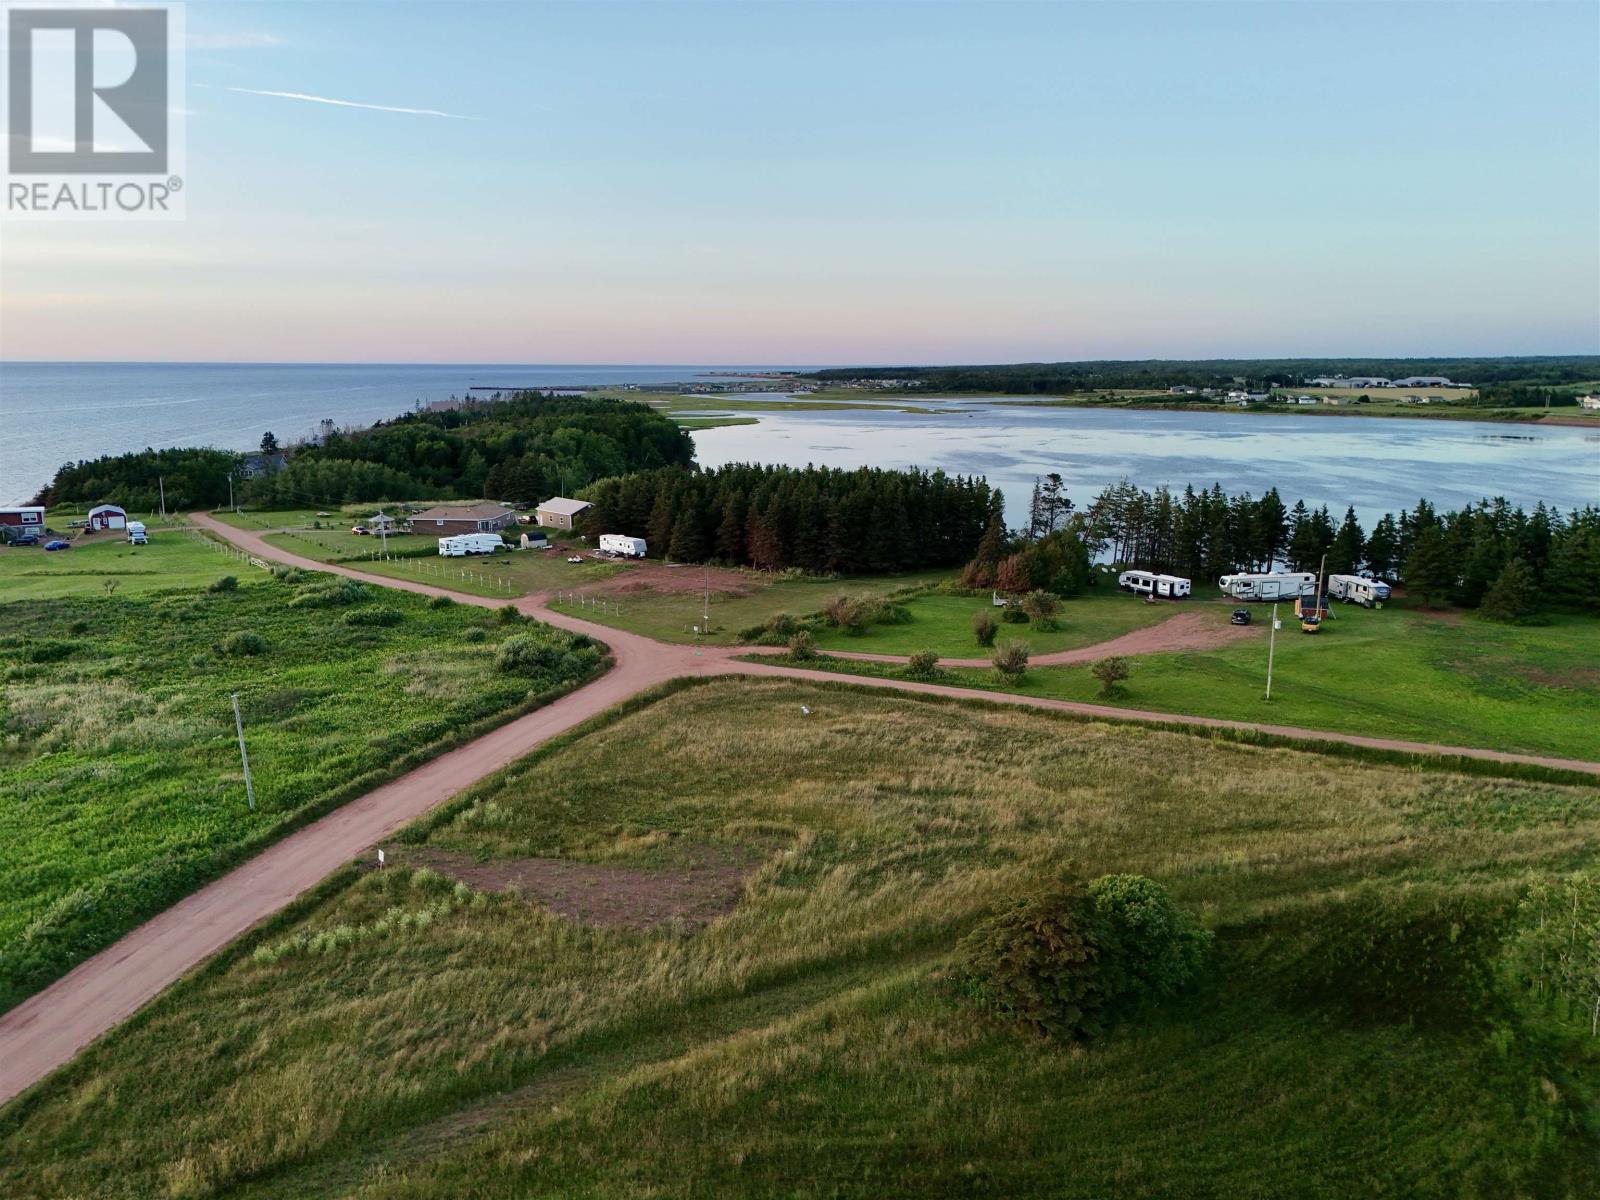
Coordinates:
(1353, 589)
(1149, 583)
(463, 544)
(628, 547)
(1287, 585)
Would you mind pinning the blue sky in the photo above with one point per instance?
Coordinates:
(812, 183)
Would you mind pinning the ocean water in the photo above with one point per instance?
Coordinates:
(53, 413)
(1374, 464)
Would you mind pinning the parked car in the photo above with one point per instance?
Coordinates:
(57, 544)
(360, 529)
(1241, 616)
(25, 539)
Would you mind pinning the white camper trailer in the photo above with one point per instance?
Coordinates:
(137, 533)
(463, 544)
(628, 547)
(1285, 585)
(1353, 589)
(1148, 583)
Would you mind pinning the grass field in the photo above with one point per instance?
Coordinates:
(399, 1036)
(120, 782)
(672, 616)
(173, 558)
(943, 624)
(1432, 677)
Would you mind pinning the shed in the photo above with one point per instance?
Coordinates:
(558, 512)
(29, 519)
(107, 516)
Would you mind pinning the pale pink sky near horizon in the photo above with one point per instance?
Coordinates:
(871, 183)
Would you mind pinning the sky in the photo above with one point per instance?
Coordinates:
(820, 183)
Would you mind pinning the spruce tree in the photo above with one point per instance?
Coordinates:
(1514, 595)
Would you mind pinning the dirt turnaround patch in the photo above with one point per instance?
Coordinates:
(600, 893)
(670, 579)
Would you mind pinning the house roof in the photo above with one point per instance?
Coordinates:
(100, 508)
(560, 504)
(461, 512)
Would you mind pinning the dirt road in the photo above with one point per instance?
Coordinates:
(47, 1030)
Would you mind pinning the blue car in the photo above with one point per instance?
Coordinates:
(58, 544)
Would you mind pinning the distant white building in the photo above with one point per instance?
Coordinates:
(1424, 381)
(558, 512)
(1590, 402)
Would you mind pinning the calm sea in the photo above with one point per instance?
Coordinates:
(53, 413)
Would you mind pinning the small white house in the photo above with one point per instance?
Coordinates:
(617, 543)
(1590, 402)
(106, 516)
(1149, 583)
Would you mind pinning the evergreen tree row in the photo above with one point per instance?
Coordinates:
(818, 519)
(1454, 556)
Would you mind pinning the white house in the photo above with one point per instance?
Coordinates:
(558, 512)
(107, 516)
(1590, 402)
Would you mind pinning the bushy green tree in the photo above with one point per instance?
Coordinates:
(984, 628)
(1514, 595)
(1069, 961)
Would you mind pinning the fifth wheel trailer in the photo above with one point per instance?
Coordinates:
(1148, 583)
(1287, 585)
(628, 547)
(1353, 589)
(469, 543)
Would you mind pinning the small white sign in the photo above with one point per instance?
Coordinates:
(380, 858)
(1277, 624)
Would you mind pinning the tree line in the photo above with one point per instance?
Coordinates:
(1059, 378)
(817, 519)
(523, 447)
(1452, 555)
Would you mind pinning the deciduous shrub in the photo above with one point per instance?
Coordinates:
(380, 615)
(847, 613)
(1042, 608)
(1555, 954)
(1011, 659)
(776, 631)
(441, 602)
(226, 584)
(243, 643)
(49, 651)
(984, 628)
(1111, 672)
(329, 593)
(802, 646)
(1014, 614)
(78, 628)
(507, 614)
(525, 654)
(1069, 961)
(475, 633)
(923, 665)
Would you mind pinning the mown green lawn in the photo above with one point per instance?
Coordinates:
(173, 558)
(397, 1036)
(943, 623)
(120, 782)
(1432, 677)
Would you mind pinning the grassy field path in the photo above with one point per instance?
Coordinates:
(48, 1029)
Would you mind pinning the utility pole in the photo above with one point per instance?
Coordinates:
(1272, 645)
(161, 482)
(231, 504)
(244, 756)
